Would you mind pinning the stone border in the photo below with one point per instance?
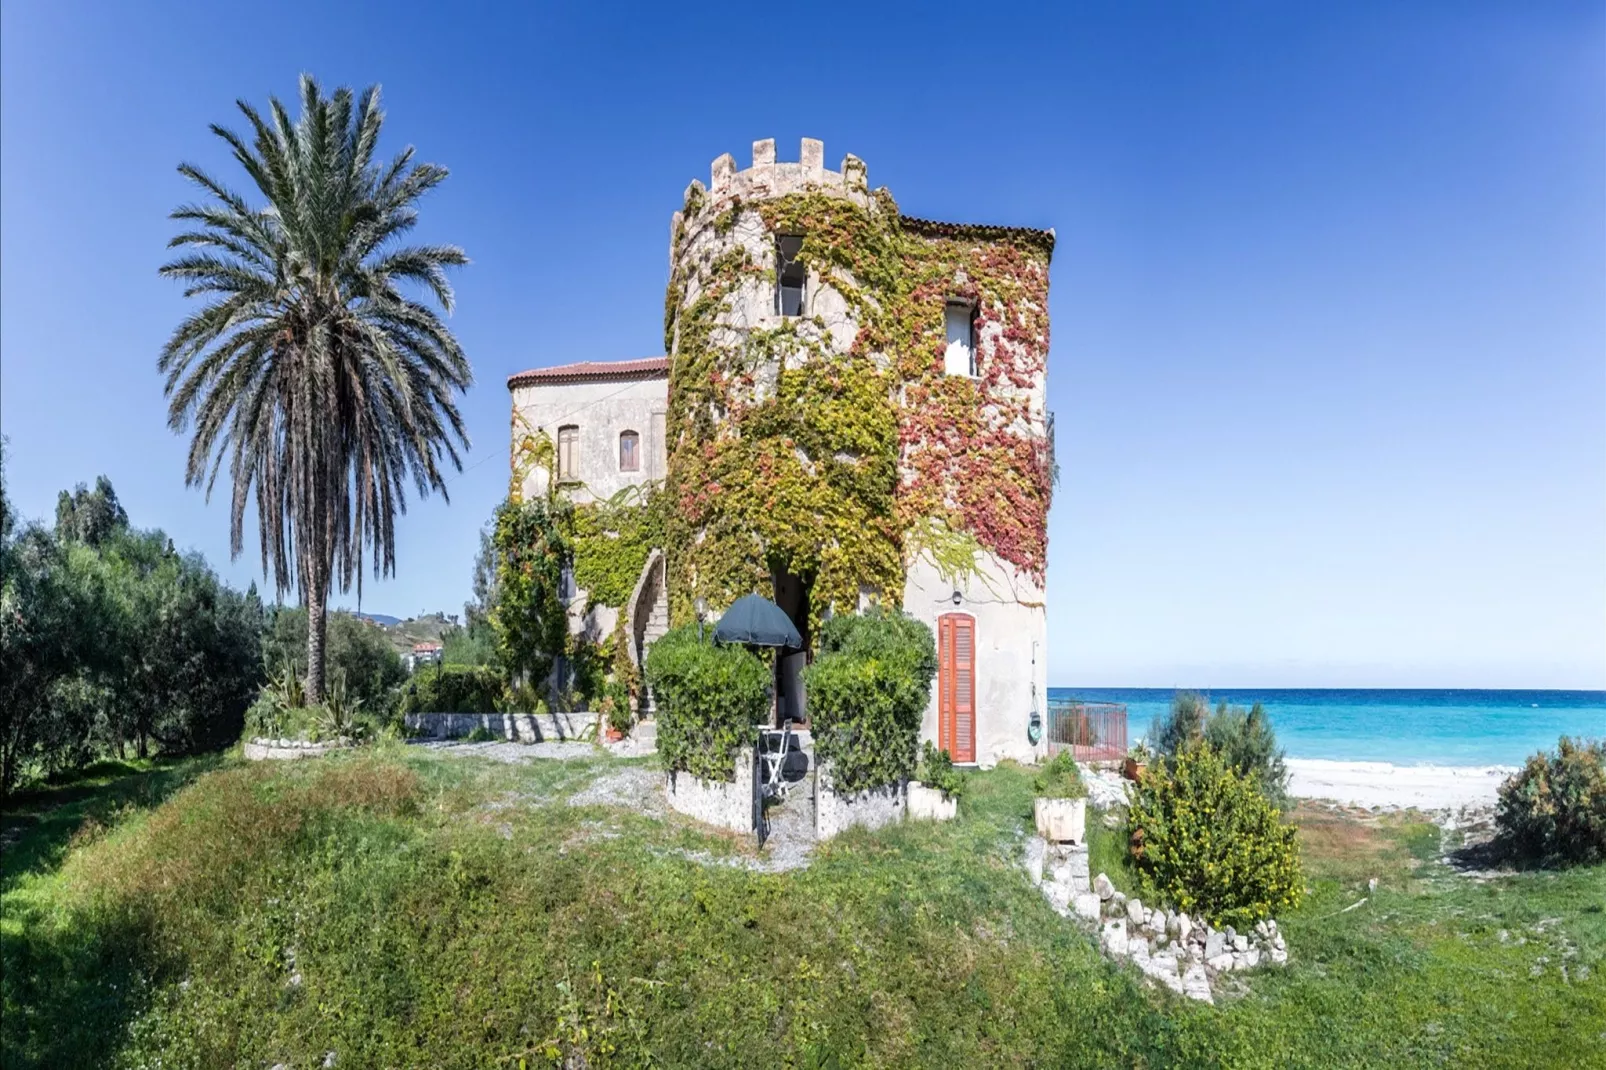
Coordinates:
(874, 808)
(516, 727)
(714, 802)
(258, 750)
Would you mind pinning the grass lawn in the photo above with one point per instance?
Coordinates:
(406, 908)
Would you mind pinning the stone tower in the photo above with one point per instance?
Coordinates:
(857, 411)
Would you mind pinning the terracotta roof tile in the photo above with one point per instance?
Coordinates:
(590, 370)
(938, 229)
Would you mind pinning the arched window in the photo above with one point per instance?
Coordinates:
(629, 451)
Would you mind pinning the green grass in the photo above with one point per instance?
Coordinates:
(442, 911)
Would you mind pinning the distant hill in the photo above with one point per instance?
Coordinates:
(403, 633)
(384, 620)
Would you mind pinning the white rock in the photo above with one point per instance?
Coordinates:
(1087, 905)
(1139, 949)
(1279, 957)
(1220, 963)
(1058, 896)
(1240, 942)
(1196, 984)
(1278, 943)
(1252, 957)
(1119, 899)
(1036, 848)
(1114, 939)
(1215, 943)
(1184, 927)
(1062, 875)
(1102, 885)
(1134, 911)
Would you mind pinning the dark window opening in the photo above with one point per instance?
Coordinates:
(791, 275)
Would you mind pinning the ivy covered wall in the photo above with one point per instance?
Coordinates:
(833, 445)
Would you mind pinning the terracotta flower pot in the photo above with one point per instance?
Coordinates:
(1133, 769)
(614, 735)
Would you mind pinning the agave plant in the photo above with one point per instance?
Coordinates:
(338, 715)
(309, 371)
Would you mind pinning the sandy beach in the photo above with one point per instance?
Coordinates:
(1426, 787)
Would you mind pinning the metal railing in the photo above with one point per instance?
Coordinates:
(1094, 731)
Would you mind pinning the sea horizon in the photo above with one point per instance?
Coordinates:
(1455, 727)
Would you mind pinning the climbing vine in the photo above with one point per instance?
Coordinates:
(611, 540)
(795, 449)
(528, 618)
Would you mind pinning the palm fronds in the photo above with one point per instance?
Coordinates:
(309, 371)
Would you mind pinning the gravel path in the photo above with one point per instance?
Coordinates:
(635, 787)
(514, 752)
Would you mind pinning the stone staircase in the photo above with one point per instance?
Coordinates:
(648, 620)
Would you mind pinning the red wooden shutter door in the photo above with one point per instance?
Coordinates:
(945, 683)
(964, 701)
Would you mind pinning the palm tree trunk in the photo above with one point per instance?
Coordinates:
(317, 619)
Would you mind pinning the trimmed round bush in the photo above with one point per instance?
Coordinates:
(1209, 842)
(1553, 810)
(709, 698)
(867, 693)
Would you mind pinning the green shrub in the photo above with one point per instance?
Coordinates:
(1180, 725)
(1207, 841)
(867, 694)
(709, 698)
(615, 706)
(1244, 739)
(1060, 779)
(452, 689)
(936, 770)
(1553, 810)
(481, 734)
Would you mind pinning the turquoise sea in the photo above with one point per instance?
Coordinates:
(1397, 726)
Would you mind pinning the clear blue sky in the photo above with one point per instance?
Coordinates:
(1329, 300)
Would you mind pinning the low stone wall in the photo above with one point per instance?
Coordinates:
(516, 727)
(724, 805)
(280, 749)
(836, 813)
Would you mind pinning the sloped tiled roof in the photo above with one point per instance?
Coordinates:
(592, 370)
(938, 229)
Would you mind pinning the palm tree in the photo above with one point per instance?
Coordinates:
(308, 370)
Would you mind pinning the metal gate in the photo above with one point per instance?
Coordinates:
(1093, 731)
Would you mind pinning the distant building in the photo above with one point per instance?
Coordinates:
(423, 654)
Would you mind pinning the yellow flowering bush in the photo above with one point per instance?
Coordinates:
(1209, 842)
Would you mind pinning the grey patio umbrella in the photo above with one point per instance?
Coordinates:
(754, 620)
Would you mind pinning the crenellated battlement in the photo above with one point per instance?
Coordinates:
(768, 178)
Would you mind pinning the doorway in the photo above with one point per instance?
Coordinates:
(792, 595)
(956, 685)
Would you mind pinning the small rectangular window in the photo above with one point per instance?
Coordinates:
(791, 275)
(569, 452)
(629, 451)
(960, 320)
